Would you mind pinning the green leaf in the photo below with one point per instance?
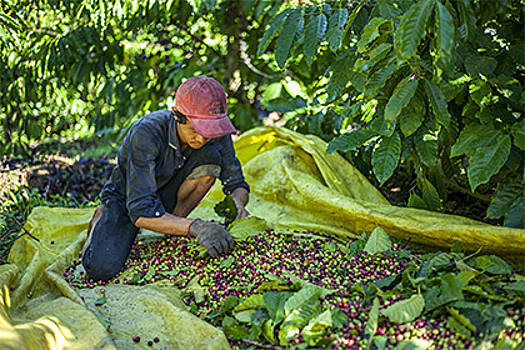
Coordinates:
(379, 241)
(101, 300)
(287, 333)
(415, 201)
(234, 330)
(228, 304)
(313, 333)
(467, 19)
(351, 18)
(227, 262)
(441, 259)
(357, 79)
(445, 30)
(466, 276)
(438, 103)
(370, 33)
(273, 28)
(478, 290)
(284, 105)
(268, 331)
(413, 344)
(515, 217)
(373, 57)
(487, 161)
(350, 141)
(254, 301)
(300, 316)
(314, 34)
(307, 294)
(492, 264)
(34, 129)
(481, 93)
(379, 77)
(462, 319)
(427, 148)
(457, 327)
(11, 22)
(271, 92)
(336, 25)
(411, 119)
(199, 292)
(389, 9)
(450, 290)
(405, 310)
(472, 137)
(247, 227)
(385, 157)
(371, 324)
(277, 285)
(400, 98)
(380, 342)
(509, 189)
(413, 28)
(476, 65)
(226, 208)
(274, 303)
(106, 321)
(384, 282)
(339, 79)
(517, 288)
(339, 318)
(429, 193)
(244, 316)
(451, 287)
(287, 36)
(150, 274)
(518, 134)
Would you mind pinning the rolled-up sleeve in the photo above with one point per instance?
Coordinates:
(231, 172)
(141, 186)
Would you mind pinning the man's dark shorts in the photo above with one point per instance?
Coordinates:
(114, 234)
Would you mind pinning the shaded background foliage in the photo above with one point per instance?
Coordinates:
(432, 88)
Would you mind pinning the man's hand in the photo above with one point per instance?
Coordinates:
(211, 236)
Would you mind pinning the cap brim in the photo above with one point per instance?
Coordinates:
(212, 127)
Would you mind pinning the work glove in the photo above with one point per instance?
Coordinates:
(211, 236)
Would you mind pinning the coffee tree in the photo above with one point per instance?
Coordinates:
(434, 86)
(64, 63)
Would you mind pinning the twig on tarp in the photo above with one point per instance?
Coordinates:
(407, 243)
(26, 232)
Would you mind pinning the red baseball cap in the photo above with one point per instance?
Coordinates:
(203, 101)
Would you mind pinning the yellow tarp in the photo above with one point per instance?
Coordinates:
(295, 186)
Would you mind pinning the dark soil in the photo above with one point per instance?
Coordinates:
(397, 191)
(59, 179)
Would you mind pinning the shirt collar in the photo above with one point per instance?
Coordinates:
(174, 137)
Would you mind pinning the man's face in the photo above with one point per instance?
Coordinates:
(190, 137)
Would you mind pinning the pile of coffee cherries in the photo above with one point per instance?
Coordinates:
(318, 259)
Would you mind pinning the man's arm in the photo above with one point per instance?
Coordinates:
(241, 196)
(168, 224)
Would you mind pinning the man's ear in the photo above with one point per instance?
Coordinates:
(177, 117)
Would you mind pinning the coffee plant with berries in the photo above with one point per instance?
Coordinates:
(103, 65)
(308, 290)
(434, 86)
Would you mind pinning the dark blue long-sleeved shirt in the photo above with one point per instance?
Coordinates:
(150, 156)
